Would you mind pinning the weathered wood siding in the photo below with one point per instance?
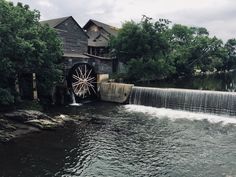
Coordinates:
(104, 66)
(73, 37)
(94, 30)
(100, 66)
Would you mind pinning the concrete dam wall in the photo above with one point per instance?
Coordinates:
(115, 92)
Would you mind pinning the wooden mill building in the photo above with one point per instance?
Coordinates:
(99, 35)
(88, 44)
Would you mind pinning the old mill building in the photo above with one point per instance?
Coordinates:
(88, 44)
(99, 35)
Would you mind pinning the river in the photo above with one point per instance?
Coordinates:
(220, 82)
(126, 140)
(130, 140)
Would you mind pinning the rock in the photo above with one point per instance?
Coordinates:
(62, 118)
(22, 122)
(37, 119)
(26, 115)
(50, 123)
(5, 136)
(43, 124)
(5, 125)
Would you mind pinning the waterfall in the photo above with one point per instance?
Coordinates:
(184, 99)
(73, 98)
(74, 103)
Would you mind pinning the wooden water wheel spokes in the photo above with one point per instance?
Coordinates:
(83, 81)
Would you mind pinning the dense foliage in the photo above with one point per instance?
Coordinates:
(155, 50)
(26, 47)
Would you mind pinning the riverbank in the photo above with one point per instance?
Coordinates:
(22, 122)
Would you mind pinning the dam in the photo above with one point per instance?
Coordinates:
(185, 99)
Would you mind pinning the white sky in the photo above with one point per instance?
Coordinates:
(218, 16)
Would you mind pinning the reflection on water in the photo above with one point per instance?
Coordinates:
(220, 82)
(112, 141)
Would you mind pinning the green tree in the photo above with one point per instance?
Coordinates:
(140, 40)
(192, 48)
(129, 42)
(142, 47)
(229, 61)
(27, 47)
(180, 40)
(208, 53)
(153, 50)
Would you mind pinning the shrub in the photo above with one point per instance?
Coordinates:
(5, 97)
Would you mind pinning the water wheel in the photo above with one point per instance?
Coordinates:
(82, 80)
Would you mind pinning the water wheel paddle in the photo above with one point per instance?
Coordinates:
(82, 80)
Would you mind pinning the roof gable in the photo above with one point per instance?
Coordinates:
(53, 23)
(109, 29)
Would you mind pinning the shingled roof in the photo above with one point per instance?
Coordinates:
(109, 29)
(55, 22)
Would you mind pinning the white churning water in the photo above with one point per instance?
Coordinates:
(76, 104)
(183, 99)
(178, 114)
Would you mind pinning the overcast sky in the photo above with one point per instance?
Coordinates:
(218, 16)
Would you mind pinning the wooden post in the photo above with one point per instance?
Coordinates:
(17, 87)
(35, 92)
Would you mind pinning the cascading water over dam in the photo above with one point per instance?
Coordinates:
(184, 99)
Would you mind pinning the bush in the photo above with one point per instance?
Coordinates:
(5, 97)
